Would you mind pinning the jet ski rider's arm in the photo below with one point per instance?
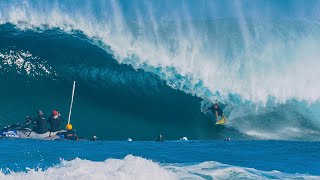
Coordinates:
(29, 120)
(61, 118)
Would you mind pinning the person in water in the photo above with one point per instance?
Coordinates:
(71, 135)
(217, 111)
(55, 121)
(159, 138)
(40, 122)
(94, 138)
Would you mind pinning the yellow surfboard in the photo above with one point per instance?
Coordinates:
(222, 120)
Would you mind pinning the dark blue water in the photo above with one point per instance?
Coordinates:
(285, 156)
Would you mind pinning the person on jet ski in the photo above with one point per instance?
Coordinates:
(40, 122)
(55, 121)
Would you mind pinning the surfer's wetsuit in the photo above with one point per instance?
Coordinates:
(55, 123)
(41, 124)
(214, 110)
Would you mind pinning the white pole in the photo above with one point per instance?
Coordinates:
(74, 86)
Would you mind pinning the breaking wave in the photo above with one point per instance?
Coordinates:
(263, 68)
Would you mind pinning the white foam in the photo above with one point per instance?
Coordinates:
(132, 167)
(129, 168)
(292, 121)
(24, 63)
(215, 170)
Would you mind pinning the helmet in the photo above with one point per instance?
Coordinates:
(55, 112)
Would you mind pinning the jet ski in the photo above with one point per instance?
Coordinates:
(24, 132)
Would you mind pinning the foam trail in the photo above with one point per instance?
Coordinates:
(215, 170)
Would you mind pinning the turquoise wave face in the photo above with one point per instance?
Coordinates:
(112, 101)
(260, 63)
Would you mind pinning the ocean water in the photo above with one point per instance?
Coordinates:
(32, 159)
(145, 68)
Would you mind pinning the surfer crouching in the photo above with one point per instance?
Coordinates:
(217, 111)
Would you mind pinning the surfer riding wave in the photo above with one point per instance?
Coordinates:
(218, 112)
